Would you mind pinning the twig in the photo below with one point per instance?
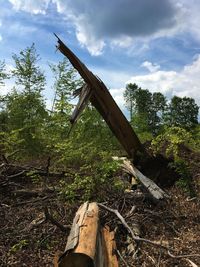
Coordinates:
(138, 239)
(121, 257)
(16, 174)
(30, 201)
(192, 263)
(54, 221)
(135, 238)
(182, 256)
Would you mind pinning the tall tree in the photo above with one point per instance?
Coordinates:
(146, 109)
(142, 110)
(158, 107)
(66, 82)
(25, 105)
(182, 112)
(27, 73)
(129, 96)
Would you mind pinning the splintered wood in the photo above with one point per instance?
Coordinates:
(100, 97)
(88, 245)
(150, 186)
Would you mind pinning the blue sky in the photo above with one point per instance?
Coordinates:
(153, 43)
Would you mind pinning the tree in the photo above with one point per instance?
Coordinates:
(158, 106)
(3, 74)
(129, 96)
(66, 82)
(146, 109)
(3, 115)
(142, 110)
(182, 112)
(25, 105)
(27, 73)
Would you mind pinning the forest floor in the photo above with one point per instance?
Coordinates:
(29, 238)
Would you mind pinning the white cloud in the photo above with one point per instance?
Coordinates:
(150, 66)
(117, 23)
(121, 23)
(117, 94)
(1, 38)
(94, 46)
(123, 42)
(183, 83)
(34, 7)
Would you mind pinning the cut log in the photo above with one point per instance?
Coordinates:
(151, 187)
(88, 245)
(81, 244)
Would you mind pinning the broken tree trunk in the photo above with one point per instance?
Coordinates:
(102, 100)
(156, 192)
(87, 245)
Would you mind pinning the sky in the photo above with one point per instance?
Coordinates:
(153, 43)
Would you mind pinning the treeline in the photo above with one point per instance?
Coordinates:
(151, 112)
(28, 128)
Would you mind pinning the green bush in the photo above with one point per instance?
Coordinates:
(90, 181)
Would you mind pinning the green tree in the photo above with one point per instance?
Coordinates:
(25, 105)
(27, 73)
(182, 112)
(158, 107)
(3, 115)
(3, 74)
(66, 82)
(142, 111)
(129, 96)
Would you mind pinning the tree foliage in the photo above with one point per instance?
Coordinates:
(27, 73)
(182, 112)
(25, 107)
(3, 74)
(28, 128)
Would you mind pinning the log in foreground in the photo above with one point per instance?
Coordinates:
(88, 245)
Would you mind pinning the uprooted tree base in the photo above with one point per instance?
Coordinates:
(30, 237)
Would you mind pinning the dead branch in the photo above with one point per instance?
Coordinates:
(121, 257)
(31, 201)
(151, 187)
(16, 174)
(54, 221)
(192, 263)
(182, 256)
(137, 239)
(134, 237)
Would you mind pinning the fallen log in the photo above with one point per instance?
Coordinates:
(149, 185)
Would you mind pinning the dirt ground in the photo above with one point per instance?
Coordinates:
(29, 238)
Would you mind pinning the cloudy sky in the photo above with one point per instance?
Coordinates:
(154, 43)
